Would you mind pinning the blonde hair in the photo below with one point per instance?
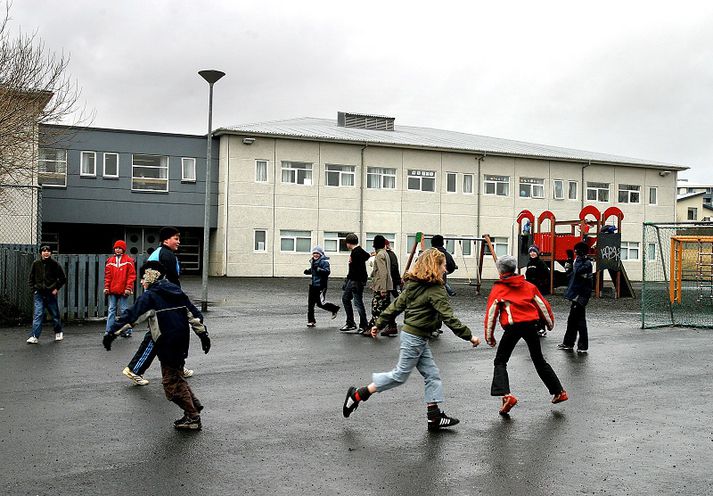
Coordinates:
(428, 267)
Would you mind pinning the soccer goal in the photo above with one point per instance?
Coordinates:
(677, 287)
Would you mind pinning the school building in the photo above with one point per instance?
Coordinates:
(287, 185)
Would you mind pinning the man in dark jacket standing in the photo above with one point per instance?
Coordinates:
(353, 288)
(46, 279)
(437, 243)
(578, 292)
(170, 314)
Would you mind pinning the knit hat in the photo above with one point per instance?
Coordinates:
(534, 248)
(120, 244)
(167, 232)
(507, 264)
(152, 271)
(318, 249)
(379, 242)
(437, 241)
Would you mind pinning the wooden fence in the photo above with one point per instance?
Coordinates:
(83, 296)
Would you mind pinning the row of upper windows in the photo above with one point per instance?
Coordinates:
(148, 172)
(425, 180)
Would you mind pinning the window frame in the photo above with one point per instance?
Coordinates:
(296, 170)
(495, 181)
(267, 170)
(694, 210)
(82, 154)
(453, 175)
(339, 237)
(570, 182)
(472, 184)
(150, 179)
(340, 174)
(295, 238)
(530, 183)
(418, 174)
(54, 174)
(655, 191)
(390, 237)
(651, 250)
(598, 189)
(498, 241)
(554, 189)
(629, 193)
(104, 174)
(185, 179)
(628, 249)
(255, 241)
(381, 175)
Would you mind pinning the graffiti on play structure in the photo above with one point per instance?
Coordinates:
(610, 253)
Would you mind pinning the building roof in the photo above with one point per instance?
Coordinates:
(315, 129)
(686, 196)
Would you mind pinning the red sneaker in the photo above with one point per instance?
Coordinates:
(560, 397)
(509, 401)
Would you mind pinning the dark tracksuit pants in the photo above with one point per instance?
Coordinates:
(513, 334)
(143, 357)
(317, 296)
(577, 323)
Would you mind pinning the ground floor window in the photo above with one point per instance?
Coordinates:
(629, 250)
(296, 241)
(260, 240)
(390, 237)
(335, 242)
(500, 245)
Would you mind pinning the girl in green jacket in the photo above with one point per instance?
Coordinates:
(427, 307)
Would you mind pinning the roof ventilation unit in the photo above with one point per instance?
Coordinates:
(365, 121)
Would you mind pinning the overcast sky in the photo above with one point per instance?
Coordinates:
(627, 78)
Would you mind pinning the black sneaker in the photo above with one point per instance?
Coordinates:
(440, 421)
(348, 328)
(311, 324)
(350, 403)
(187, 423)
(334, 313)
(564, 347)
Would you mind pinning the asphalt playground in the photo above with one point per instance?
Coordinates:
(639, 420)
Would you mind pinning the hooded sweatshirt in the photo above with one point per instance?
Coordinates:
(319, 269)
(515, 301)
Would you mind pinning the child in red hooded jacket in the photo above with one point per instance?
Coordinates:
(521, 309)
(119, 280)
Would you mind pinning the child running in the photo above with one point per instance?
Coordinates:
(319, 270)
(521, 307)
(170, 315)
(427, 307)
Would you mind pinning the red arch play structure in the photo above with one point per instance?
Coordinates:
(554, 243)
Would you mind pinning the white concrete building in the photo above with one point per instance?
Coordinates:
(288, 185)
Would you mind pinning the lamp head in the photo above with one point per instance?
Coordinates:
(211, 76)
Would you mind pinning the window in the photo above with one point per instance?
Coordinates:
(111, 165)
(390, 237)
(500, 245)
(451, 180)
(380, 178)
(466, 248)
(496, 185)
(411, 239)
(335, 242)
(692, 213)
(598, 192)
(629, 250)
(571, 190)
(558, 189)
(260, 240)
(651, 252)
(295, 241)
(52, 167)
(88, 165)
(421, 180)
(149, 173)
(629, 193)
(653, 196)
(339, 175)
(297, 173)
(261, 171)
(532, 187)
(468, 184)
(188, 170)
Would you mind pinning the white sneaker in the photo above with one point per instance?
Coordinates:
(136, 378)
(187, 372)
(32, 340)
(59, 336)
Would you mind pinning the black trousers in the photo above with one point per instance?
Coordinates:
(144, 355)
(513, 334)
(577, 323)
(317, 297)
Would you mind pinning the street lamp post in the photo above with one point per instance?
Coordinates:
(211, 77)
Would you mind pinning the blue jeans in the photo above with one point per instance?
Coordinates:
(354, 290)
(123, 303)
(45, 302)
(414, 352)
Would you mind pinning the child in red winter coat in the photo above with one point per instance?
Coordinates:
(521, 308)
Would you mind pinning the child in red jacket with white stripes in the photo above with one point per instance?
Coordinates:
(521, 309)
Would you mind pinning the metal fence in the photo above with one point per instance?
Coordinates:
(677, 283)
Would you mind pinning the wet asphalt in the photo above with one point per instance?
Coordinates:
(639, 419)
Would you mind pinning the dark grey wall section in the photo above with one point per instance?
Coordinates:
(97, 200)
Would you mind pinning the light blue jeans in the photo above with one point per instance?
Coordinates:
(45, 302)
(414, 352)
(122, 302)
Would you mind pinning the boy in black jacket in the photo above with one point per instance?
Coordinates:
(169, 313)
(46, 279)
(578, 292)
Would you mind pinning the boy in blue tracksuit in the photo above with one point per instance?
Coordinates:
(170, 315)
(578, 292)
(319, 270)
